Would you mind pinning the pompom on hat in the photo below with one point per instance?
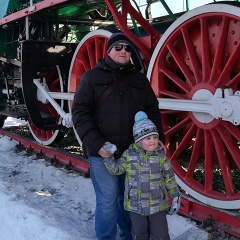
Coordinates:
(143, 127)
(117, 38)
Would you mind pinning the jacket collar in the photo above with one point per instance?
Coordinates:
(140, 150)
(110, 65)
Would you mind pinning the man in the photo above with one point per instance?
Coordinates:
(103, 110)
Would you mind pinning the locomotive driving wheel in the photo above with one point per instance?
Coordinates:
(197, 54)
(47, 137)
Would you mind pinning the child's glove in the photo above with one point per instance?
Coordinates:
(175, 205)
(110, 148)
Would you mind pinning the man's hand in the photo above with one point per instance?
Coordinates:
(103, 153)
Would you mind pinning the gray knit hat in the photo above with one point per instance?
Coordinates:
(117, 38)
(143, 127)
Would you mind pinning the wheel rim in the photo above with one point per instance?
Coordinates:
(197, 54)
(55, 84)
(89, 51)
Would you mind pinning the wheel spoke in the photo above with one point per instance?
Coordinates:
(54, 86)
(91, 50)
(208, 163)
(231, 145)
(225, 75)
(84, 62)
(233, 130)
(178, 126)
(234, 82)
(100, 47)
(218, 58)
(184, 144)
(174, 78)
(195, 153)
(206, 50)
(182, 65)
(191, 52)
(49, 109)
(223, 162)
(172, 94)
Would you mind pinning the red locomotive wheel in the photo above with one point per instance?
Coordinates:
(91, 48)
(54, 83)
(197, 54)
(89, 51)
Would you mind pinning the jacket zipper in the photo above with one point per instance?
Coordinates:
(122, 118)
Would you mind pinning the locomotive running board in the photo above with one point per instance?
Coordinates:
(211, 218)
(76, 162)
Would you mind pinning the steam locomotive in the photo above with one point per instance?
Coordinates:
(190, 58)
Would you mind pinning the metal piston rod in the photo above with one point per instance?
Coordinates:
(223, 105)
(46, 96)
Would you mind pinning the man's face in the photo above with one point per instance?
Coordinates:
(120, 53)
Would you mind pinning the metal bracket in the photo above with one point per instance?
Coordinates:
(223, 105)
(32, 8)
(45, 96)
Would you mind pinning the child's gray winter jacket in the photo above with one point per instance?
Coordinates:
(149, 179)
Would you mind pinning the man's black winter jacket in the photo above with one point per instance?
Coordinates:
(113, 119)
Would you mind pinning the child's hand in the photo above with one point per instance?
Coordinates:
(162, 146)
(175, 205)
(110, 148)
(107, 150)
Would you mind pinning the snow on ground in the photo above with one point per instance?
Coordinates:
(42, 202)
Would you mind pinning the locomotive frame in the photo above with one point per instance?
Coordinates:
(192, 64)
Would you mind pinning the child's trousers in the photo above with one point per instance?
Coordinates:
(154, 227)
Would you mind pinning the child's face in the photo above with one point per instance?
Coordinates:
(150, 143)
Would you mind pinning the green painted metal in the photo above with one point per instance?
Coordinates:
(4, 7)
(168, 10)
(80, 11)
(135, 27)
(187, 5)
(10, 6)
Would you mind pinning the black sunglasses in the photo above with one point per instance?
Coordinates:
(119, 47)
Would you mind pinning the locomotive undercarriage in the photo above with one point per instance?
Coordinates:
(39, 54)
(11, 98)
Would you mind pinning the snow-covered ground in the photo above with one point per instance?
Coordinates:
(42, 202)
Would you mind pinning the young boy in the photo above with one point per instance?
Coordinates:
(149, 181)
